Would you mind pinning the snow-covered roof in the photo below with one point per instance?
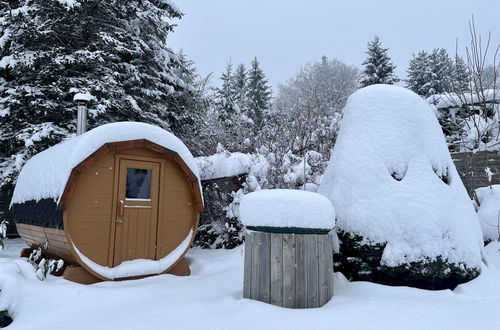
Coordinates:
(454, 100)
(286, 208)
(45, 174)
(391, 180)
(223, 165)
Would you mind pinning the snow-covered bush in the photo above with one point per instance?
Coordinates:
(226, 177)
(43, 266)
(3, 233)
(403, 214)
(489, 212)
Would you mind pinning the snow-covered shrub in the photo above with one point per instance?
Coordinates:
(489, 212)
(226, 177)
(3, 233)
(42, 266)
(403, 214)
(5, 319)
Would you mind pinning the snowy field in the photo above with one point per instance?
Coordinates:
(211, 298)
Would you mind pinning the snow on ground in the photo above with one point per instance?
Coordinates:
(287, 208)
(489, 211)
(211, 298)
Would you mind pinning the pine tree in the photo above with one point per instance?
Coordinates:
(259, 94)
(51, 49)
(418, 73)
(240, 87)
(378, 66)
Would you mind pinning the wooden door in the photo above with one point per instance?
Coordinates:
(137, 210)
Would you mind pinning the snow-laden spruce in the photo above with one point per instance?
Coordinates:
(394, 187)
(45, 174)
(287, 208)
(489, 212)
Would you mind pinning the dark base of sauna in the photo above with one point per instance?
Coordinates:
(288, 270)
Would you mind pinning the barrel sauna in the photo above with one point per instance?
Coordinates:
(121, 200)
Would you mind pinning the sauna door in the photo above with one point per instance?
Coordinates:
(137, 210)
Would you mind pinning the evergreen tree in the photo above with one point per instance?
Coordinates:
(441, 72)
(258, 94)
(240, 87)
(418, 73)
(378, 66)
(460, 80)
(225, 96)
(51, 49)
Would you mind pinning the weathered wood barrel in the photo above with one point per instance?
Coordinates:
(288, 248)
(288, 270)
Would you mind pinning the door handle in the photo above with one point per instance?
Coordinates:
(119, 219)
(122, 204)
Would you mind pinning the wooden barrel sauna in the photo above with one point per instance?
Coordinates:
(122, 200)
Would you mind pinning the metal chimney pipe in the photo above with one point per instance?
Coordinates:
(81, 122)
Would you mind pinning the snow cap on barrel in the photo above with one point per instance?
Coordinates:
(286, 208)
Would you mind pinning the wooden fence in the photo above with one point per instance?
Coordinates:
(472, 168)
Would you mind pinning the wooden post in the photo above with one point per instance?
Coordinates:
(288, 270)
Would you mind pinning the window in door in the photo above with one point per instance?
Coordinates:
(138, 184)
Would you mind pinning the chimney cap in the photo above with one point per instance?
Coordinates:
(86, 97)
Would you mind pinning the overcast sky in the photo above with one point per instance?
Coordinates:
(286, 34)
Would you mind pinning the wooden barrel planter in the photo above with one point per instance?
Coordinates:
(287, 266)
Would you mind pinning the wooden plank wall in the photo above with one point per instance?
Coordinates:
(288, 270)
(471, 168)
(36, 236)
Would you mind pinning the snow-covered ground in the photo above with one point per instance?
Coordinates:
(211, 298)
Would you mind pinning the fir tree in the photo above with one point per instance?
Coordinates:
(418, 73)
(258, 94)
(225, 96)
(378, 66)
(441, 72)
(51, 49)
(240, 87)
(460, 80)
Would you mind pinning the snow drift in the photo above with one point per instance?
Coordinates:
(394, 187)
(489, 212)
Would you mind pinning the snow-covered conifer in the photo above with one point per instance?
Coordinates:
(225, 95)
(418, 73)
(51, 49)
(378, 67)
(258, 94)
(441, 72)
(240, 87)
(460, 79)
